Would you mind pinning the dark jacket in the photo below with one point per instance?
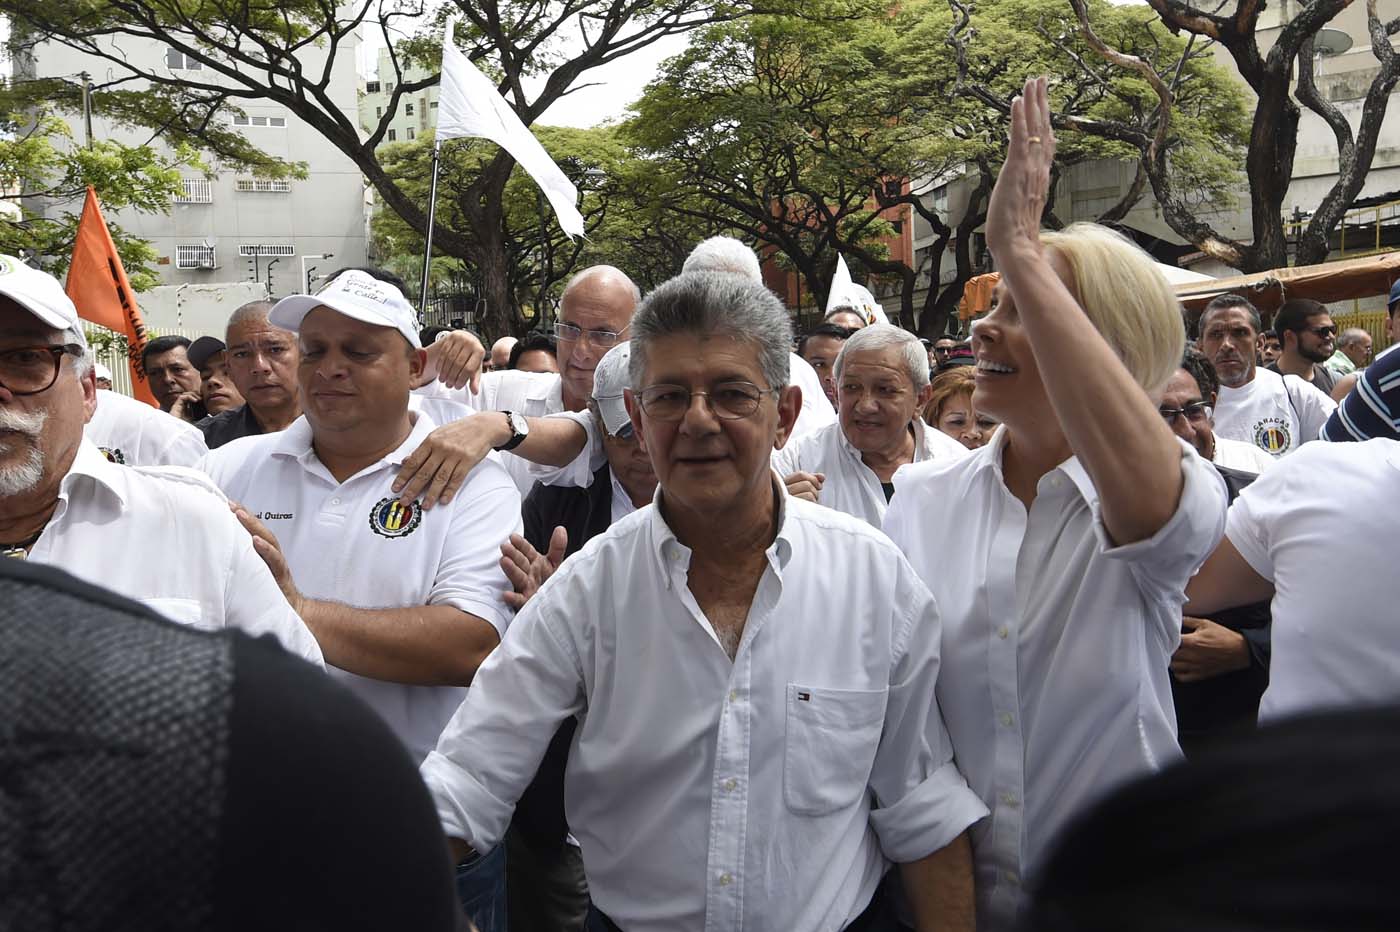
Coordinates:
(1224, 706)
(219, 429)
(584, 513)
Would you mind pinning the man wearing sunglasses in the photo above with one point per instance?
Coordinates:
(1308, 338)
(164, 537)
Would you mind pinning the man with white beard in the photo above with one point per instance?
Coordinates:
(163, 536)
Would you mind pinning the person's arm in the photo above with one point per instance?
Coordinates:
(1112, 426)
(253, 602)
(1225, 581)
(939, 888)
(455, 360)
(1207, 650)
(1344, 386)
(442, 462)
(422, 645)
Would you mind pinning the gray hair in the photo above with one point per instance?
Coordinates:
(723, 254)
(1351, 335)
(82, 365)
(715, 304)
(253, 310)
(883, 336)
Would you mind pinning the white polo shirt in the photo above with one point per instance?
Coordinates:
(766, 792)
(345, 542)
(165, 537)
(1055, 643)
(851, 486)
(132, 432)
(1320, 525)
(1276, 413)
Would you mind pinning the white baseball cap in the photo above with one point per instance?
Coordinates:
(359, 296)
(610, 378)
(40, 294)
(101, 371)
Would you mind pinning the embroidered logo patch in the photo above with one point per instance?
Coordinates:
(392, 518)
(1272, 435)
(113, 455)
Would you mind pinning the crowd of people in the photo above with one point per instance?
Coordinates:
(686, 623)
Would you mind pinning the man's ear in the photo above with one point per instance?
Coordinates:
(789, 407)
(89, 383)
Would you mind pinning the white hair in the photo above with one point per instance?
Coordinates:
(723, 254)
(83, 364)
(25, 475)
(883, 336)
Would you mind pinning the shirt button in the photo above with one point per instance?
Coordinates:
(1009, 799)
(726, 879)
(1002, 632)
(733, 695)
(1010, 877)
(335, 501)
(730, 785)
(1006, 719)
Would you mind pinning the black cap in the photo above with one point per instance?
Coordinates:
(203, 348)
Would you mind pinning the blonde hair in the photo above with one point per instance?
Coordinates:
(959, 380)
(1126, 298)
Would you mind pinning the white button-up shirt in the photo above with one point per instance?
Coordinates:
(132, 432)
(851, 486)
(533, 394)
(345, 543)
(1319, 525)
(165, 537)
(763, 793)
(1055, 642)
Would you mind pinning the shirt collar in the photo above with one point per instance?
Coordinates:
(990, 457)
(91, 466)
(667, 550)
(296, 440)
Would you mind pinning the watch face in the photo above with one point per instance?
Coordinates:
(519, 425)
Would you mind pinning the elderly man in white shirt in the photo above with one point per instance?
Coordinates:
(882, 384)
(1077, 528)
(757, 738)
(162, 536)
(1313, 535)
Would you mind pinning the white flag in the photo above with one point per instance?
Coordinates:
(846, 293)
(469, 105)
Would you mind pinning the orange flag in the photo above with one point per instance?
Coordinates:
(98, 285)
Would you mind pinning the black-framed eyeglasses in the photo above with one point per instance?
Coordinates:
(1324, 332)
(29, 370)
(729, 401)
(1197, 413)
(563, 331)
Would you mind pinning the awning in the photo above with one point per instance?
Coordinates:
(1330, 281)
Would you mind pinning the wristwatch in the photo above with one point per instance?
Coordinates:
(519, 430)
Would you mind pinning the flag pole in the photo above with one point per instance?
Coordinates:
(428, 239)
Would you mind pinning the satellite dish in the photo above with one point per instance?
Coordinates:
(1329, 42)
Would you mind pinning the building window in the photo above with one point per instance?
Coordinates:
(393, 136)
(378, 113)
(263, 185)
(408, 109)
(371, 87)
(195, 191)
(432, 105)
(177, 60)
(266, 249)
(244, 120)
(410, 132)
(195, 257)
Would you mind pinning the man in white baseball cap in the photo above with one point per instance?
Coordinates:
(162, 536)
(104, 376)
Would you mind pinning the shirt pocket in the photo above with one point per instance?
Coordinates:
(829, 746)
(184, 611)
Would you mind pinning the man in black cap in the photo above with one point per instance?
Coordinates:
(217, 391)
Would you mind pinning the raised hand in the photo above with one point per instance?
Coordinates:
(1018, 198)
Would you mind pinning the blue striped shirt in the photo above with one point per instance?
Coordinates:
(1372, 408)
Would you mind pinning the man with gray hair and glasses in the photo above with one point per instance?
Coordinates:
(161, 535)
(881, 385)
(758, 737)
